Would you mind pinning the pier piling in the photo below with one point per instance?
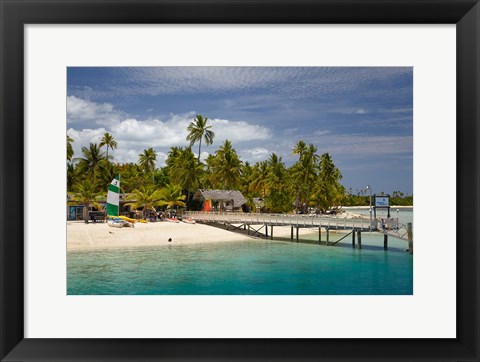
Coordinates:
(297, 233)
(410, 237)
(291, 233)
(359, 239)
(271, 232)
(328, 236)
(320, 234)
(353, 238)
(385, 241)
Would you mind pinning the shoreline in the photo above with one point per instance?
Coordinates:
(91, 236)
(81, 236)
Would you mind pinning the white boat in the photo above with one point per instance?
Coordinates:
(119, 223)
(172, 219)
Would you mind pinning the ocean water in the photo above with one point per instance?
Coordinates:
(256, 267)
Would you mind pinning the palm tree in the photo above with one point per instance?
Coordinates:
(147, 162)
(305, 172)
(132, 177)
(277, 183)
(70, 140)
(185, 171)
(197, 130)
(171, 196)
(91, 160)
(107, 140)
(146, 198)
(329, 191)
(259, 179)
(106, 173)
(86, 194)
(300, 148)
(227, 166)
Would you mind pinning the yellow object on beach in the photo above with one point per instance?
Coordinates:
(129, 219)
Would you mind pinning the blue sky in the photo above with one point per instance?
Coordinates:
(362, 116)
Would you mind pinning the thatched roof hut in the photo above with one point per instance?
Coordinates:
(231, 199)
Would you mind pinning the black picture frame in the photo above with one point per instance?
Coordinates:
(16, 13)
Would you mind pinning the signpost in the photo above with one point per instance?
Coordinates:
(381, 202)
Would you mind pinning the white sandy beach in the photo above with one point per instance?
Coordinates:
(81, 236)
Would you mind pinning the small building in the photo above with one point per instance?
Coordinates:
(75, 211)
(220, 200)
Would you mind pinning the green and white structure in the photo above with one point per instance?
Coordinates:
(113, 197)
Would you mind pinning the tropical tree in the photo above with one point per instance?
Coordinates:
(70, 140)
(279, 198)
(258, 184)
(185, 171)
(147, 162)
(171, 196)
(304, 174)
(146, 198)
(198, 130)
(300, 148)
(85, 193)
(328, 191)
(70, 176)
(92, 158)
(132, 177)
(226, 167)
(107, 140)
(106, 173)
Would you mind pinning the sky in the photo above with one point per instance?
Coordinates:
(361, 116)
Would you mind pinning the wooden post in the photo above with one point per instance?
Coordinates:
(353, 237)
(385, 241)
(320, 234)
(248, 230)
(297, 233)
(271, 232)
(328, 236)
(410, 237)
(266, 230)
(291, 232)
(359, 239)
(245, 226)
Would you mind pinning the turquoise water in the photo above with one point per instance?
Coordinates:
(256, 267)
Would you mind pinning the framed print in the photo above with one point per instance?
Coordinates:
(391, 89)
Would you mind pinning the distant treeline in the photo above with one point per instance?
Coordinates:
(361, 199)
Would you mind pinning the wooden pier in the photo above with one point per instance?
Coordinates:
(262, 225)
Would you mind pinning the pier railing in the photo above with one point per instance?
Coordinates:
(337, 222)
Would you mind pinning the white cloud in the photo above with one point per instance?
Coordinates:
(255, 154)
(238, 131)
(81, 110)
(134, 135)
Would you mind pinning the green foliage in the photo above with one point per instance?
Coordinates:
(92, 158)
(198, 130)
(69, 148)
(312, 182)
(146, 197)
(86, 193)
(109, 141)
